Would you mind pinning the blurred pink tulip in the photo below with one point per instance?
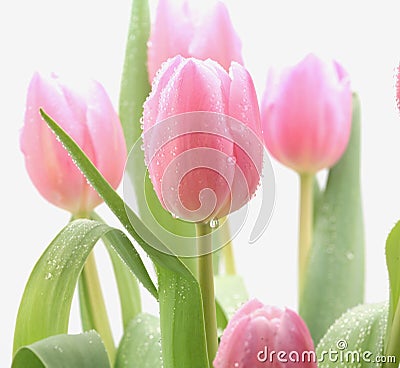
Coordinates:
(91, 121)
(306, 114)
(182, 29)
(260, 336)
(206, 163)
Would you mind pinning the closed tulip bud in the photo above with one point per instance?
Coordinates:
(260, 336)
(182, 29)
(91, 121)
(202, 138)
(306, 114)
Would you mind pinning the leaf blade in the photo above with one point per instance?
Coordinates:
(85, 350)
(140, 346)
(335, 276)
(54, 278)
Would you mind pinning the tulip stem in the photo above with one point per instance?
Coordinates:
(206, 281)
(93, 308)
(305, 225)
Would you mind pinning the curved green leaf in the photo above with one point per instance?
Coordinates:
(393, 264)
(45, 306)
(140, 346)
(175, 279)
(357, 336)
(335, 276)
(64, 351)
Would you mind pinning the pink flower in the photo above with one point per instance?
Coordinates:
(306, 114)
(181, 29)
(260, 336)
(202, 138)
(93, 123)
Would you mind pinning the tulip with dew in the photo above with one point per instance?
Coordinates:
(203, 149)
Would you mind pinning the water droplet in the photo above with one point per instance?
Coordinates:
(350, 256)
(48, 276)
(214, 223)
(231, 160)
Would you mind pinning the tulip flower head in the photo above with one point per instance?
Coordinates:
(260, 336)
(306, 114)
(91, 121)
(202, 138)
(181, 28)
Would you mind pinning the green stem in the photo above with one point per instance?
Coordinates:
(94, 308)
(305, 226)
(206, 281)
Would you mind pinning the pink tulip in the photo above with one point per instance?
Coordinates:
(91, 120)
(260, 336)
(181, 29)
(202, 138)
(306, 114)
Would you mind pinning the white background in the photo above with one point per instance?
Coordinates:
(88, 38)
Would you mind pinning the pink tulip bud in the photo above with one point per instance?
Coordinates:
(91, 121)
(182, 29)
(202, 138)
(306, 114)
(260, 336)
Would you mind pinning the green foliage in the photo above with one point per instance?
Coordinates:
(64, 351)
(357, 336)
(334, 280)
(140, 346)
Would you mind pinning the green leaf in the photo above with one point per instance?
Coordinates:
(392, 340)
(140, 346)
(182, 321)
(64, 351)
(174, 277)
(335, 278)
(357, 336)
(55, 276)
(230, 293)
(134, 83)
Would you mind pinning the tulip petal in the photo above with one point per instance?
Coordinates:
(215, 38)
(49, 166)
(170, 34)
(306, 113)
